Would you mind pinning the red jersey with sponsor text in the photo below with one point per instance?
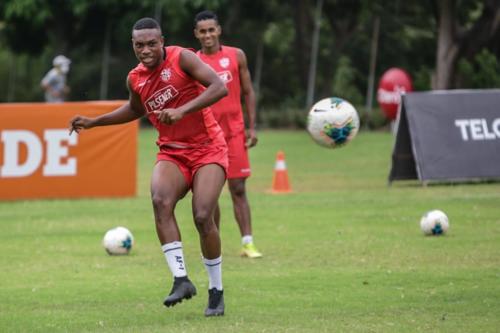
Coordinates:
(169, 87)
(227, 111)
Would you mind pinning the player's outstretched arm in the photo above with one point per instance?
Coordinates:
(129, 111)
(248, 97)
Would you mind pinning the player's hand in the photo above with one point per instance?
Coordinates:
(251, 138)
(169, 116)
(78, 123)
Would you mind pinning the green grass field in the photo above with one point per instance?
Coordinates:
(343, 253)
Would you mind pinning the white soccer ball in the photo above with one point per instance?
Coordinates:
(434, 222)
(118, 240)
(333, 122)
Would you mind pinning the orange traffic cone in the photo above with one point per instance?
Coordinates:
(280, 177)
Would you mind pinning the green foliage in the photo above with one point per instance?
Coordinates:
(375, 120)
(21, 71)
(343, 82)
(37, 11)
(422, 79)
(285, 117)
(279, 35)
(4, 73)
(24, 21)
(41, 29)
(482, 72)
(296, 118)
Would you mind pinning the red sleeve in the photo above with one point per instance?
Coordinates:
(132, 79)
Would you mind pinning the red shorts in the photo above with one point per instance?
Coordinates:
(189, 160)
(239, 165)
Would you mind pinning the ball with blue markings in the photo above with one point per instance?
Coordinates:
(332, 122)
(118, 241)
(434, 223)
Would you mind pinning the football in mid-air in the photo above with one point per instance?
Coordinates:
(118, 240)
(434, 222)
(332, 122)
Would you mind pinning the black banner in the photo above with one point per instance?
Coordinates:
(451, 135)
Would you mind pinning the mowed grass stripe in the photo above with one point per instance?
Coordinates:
(342, 253)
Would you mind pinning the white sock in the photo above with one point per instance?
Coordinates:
(246, 239)
(214, 270)
(175, 258)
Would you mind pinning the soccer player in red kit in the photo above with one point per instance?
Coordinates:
(231, 65)
(173, 88)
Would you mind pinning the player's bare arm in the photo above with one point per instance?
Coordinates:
(201, 72)
(129, 111)
(204, 74)
(248, 98)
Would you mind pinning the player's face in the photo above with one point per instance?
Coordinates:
(148, 46)
(208, 32)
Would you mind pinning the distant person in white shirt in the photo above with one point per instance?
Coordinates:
(54, 82)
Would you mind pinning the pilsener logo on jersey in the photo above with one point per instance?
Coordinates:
(225, 76)
(158, 100)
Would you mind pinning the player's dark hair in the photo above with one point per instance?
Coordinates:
(146, 23)
(205, 15)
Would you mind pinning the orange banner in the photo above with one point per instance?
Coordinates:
(39, 159)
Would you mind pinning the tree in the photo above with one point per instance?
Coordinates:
(462, 34)
(423, 37)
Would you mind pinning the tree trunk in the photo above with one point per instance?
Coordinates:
(447, 48)
(103, 91)
(259, 61)
(311, 80)
(373, 64)
(11, 87)
(158, 11)
(233, 19)
(302, 24)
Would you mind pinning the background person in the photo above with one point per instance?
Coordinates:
(192, 155)
(54, 82)
(231, 65)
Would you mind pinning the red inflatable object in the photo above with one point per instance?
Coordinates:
(392, 84)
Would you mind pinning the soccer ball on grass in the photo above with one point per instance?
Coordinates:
(332, 122)
(434, 222)
(118, 240)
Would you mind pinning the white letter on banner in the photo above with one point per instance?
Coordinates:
(462, 123)
(496, 127)
(56, 151)
(12, 140)
(475, 129)
(487, 134)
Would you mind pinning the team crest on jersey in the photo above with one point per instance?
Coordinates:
(165, 74)
(225, 76)
(160, 98)
(224, 62)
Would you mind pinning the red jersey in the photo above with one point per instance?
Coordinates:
(227, 111)
(169, 87)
